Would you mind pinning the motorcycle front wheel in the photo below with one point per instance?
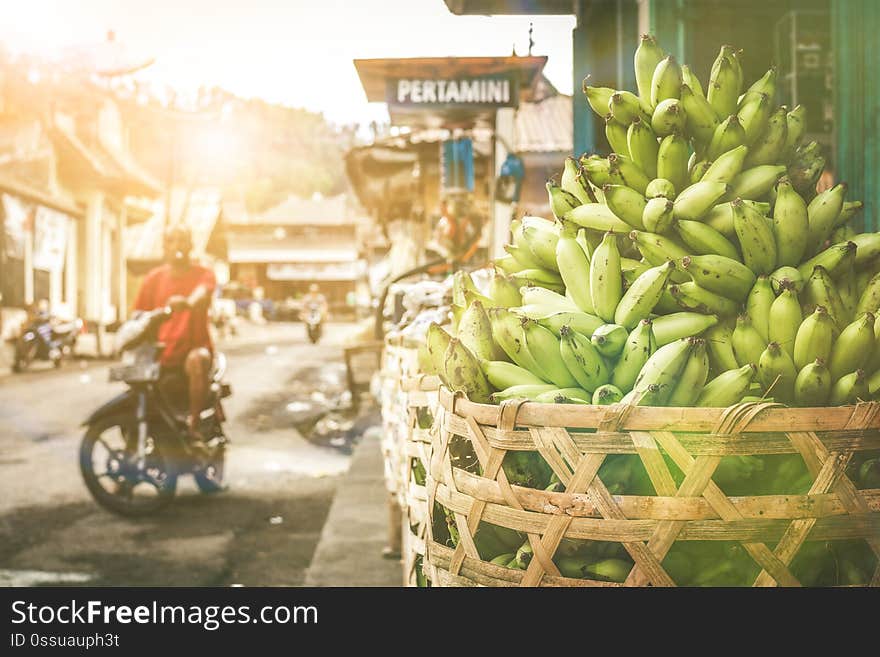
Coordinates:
(211, 479)
(108, 463)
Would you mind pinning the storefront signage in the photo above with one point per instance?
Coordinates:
(489, 91)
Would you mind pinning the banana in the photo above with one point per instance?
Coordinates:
(658, 217)
(542, 243)
(475, 333)
(461, 281)
(746, 342)
(437, 342)
(507, 264)
(822, 213)
(790, 225)
(632, 269)
(702, 239)
(691, 80)
(660, 188)
(756, 183)
(464, 374)
(625, 107)
(804, 176)
(758, 305)
(669, 117)
(606, 395)
(502, 374)
(785, 319)
(720, 217)
(850, 389)
(587, 241)
(698, 169)
(573, 567)
(616, 134)
(847, 285)
(769, 147)
(564, 396)
(641, 297)
(642, 146)
(850, 209)
(695, 201)
(727, 388)
(754, 115)
(814, 338)
(672, 158)
(755, 238)
(691, 296)
(820, 290)
(777, 372)
(597, 170)
(868, 248)
(543, 347)
(609, 340)
(540, 296)
(626, 203)
(662, 370)
(720, 274)
(597, 216)
(503, 559)
(720, 343)
(843, 234)
(502, 292)
(724, 86)
(606, 287)
(611, 570)
(869, 300)
(796, 126)
(647, 56)
(700, 118)
(854, 346)
(766, 84)
(580, 322)
(539, 277)
(693, 376)
(522, 392)
(507, 331)
(582, 360)
(574, 182)
(727, 166)
(624, 169)
(727, 135)
(640, 344)
(598, 97)
(523, 257)
(668, 328)
(561, 201)
(666, 81)
(573, 263)
(812, 386)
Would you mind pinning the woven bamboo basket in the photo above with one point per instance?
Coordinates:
(575, 440)
(422, 400)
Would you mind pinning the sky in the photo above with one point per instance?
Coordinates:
(295, 52)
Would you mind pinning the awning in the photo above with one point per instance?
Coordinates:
(335, 271)
(306, 256)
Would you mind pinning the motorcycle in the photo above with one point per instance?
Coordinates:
(45, 339)
(137, 445)
(314, 323)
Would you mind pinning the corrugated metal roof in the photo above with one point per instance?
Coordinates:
(545, 126)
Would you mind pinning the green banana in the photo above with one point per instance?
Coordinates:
(695, 201)
(574, 182)
(564, 396)
(668, 328)
(623, 168)
(727, 166)
(598, 170)
(758, 305)
(724, 86)
(475, 333)
(705, 240)
(597, 216)
(814, 338)
(756, 183)
(666, 81)
(720, 217)
(580, 322)
(529, 392)
(820, 290)
(503, 559)
(766, 84)
(847, 284)
(790, 225)
(754, 115)
(855, 345)
(842, 234)
(784, 320)
(698, 170)
(868, 248)
(727, 388)
(524, 555)
(822, 213)
(609, 340)
(616, 134)
(869, 300)
(641, 297)
(720, 274)
(640, 344)
(462, 281)
(507, 331)
(777, 372)
(625, 107)
(755, 238)
(642, 146)
(769, 147)
(606, 286)
(720, 343)
(850, 209)
(542, 243)
(503, 292)
(573, 567)
(812, 386)
(850, 389)
(672, 158)
(692, 377)
(701, 119)
(523, 257)
(543, 347)
(507, 264)
(598, 97)
(658, 216)
(626, 203)
(727, 135)
(612, 570)
(502, 374)
(691, 80)
(662, 371)
(746, 342)
(669, 117)
(572, 263)
(538, 277)
(691, 296)
(587, 241)
(606, 395)
(660, 188)
(796, 126)
(647, 56)
(804, 176)
(582, 360)
(561, 201)
(464, 374)
(437, 341)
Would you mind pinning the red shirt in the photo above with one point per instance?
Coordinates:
(187, 329)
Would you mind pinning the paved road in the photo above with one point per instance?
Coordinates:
(261, 532)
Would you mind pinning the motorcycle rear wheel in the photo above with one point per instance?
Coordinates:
(158, 474)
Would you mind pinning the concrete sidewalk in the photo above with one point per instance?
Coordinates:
(349, 552)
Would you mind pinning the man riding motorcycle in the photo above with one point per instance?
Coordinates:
(314, 310)
(186, 288)
(314, 297)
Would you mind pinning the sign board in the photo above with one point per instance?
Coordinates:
(490, 91)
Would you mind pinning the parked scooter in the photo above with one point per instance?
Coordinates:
(137, 444)
(45, 338)
(314, 320)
